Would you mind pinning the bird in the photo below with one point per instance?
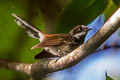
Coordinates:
(54, 45)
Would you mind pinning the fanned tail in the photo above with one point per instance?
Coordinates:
(31, 30)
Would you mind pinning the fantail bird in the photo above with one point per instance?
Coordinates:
(55, 45)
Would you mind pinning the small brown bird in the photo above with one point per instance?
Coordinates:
(55, 45)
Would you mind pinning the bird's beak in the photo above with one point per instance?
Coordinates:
(89, 29)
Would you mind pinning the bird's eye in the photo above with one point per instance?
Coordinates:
(77, 30)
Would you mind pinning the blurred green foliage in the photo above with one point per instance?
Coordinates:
(80, 12)
(15, 44)
(117, 2)
(110, 9)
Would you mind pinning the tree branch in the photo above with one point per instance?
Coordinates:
(16, 66)
(90, 46)
(41, 68)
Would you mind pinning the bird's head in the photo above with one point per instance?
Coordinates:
(79, 31)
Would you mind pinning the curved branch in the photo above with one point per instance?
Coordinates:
(16, 66)
(90, 46)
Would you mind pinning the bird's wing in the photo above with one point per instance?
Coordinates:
(48, 43)
(31, 30)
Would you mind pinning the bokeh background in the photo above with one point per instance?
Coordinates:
(59, 16)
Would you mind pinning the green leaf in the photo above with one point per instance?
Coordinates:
(111, 8)
(117, 2)
(79, 12)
